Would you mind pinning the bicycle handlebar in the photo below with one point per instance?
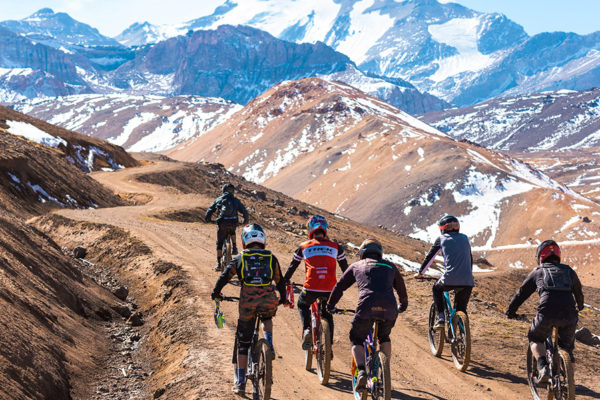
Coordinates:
(230, 298)
(342, 311)
(425, 277)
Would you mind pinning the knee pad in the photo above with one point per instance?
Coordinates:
(245, 329)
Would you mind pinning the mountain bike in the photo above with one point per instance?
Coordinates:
(260, 369)
(377, 366)
(561, 385)
(456, 332)
(321, 336)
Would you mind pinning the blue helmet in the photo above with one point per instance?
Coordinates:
(315, 223)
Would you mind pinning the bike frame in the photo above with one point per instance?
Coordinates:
(315, 313)
(451, 311)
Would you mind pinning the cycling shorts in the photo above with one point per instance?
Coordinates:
(361, 327)
(541, 328)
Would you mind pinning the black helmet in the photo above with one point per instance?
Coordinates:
(228, 188)
(370, 246)
(449, 223)
(546, 250)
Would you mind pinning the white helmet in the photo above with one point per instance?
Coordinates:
(253, 233)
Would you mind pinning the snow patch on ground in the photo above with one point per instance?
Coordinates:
(34, 134)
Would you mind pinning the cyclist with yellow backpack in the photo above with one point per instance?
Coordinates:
(256, 269)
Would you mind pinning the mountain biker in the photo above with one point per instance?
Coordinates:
(458, 276)
(320, 255)
(561, 297)
(228, 206)
(376, 280)
(256, 268)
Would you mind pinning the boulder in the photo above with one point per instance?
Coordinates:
(79, 252)
(586, 337)
(121, 293)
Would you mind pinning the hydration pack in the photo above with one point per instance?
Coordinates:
(227, 207)
(257, 267)
(557, 277)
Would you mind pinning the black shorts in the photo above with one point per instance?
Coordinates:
(542, 325)
(361, 327)
(225, 229)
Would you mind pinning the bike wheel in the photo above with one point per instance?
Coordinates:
(461, 344)
(538, 392)
(359, 395)
(226, 258)
(436, 338)
(324, 352)
(565, 380)
(308, 355)
(263, 375)
(384, 378)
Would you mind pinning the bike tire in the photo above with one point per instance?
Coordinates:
(567, 378)
(226, 258)
(385, 375)
(436, 338)
(308, 359)
(461, 344)
(538, 392)
(323, 356)
(264, 374)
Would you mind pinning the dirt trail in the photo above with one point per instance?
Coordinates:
(416, 373)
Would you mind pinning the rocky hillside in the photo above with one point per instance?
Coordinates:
(138, 123)
(563, 120)
(87, 153)
(332, 146)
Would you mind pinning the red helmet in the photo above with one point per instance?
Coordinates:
(546, 249)
(315, 223)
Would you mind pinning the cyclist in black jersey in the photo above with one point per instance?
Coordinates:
(561, 297)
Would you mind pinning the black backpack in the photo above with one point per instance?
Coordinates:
(227, 207)
(557, 277)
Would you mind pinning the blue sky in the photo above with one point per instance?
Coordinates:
(112, 16)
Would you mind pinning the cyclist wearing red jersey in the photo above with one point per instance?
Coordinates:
(320, 255)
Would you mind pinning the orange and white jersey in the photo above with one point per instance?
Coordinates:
(320, 258)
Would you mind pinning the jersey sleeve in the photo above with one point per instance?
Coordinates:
(278, 278)
(400, 288)
(527, 288)
(430, 257)
(346, 280)
(578, 291)
(296, 260)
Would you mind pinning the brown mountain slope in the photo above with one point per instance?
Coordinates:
(51, 336)
(88, 153)
(335, 147)
(196, 363)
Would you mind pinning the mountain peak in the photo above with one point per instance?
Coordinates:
(43, 12)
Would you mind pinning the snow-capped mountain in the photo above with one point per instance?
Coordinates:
(138, 123)
(333, 146)
(60, 31)
(562, 120)
(445, 49)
